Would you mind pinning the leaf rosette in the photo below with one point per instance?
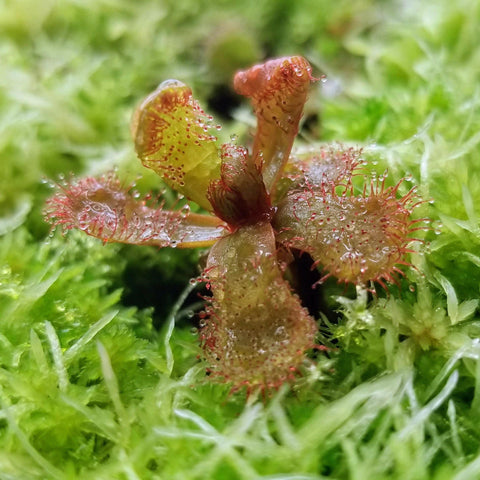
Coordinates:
(258, 202)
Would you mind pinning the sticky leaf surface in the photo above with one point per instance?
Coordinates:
(278, 91)
(257, 331)
(102, 208)
(173, 136)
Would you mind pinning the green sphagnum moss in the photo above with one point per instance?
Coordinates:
(94, 388)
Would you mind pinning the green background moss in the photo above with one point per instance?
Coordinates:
(95, 384)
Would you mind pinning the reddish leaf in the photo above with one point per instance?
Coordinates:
(278, 89)
(315, 166)
(239, 197)
(102, 208)
(354, 238)
(257, 332)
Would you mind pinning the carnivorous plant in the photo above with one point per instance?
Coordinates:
(261, 203)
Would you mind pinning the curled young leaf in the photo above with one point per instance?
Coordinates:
(257, 331)
(239, 197)
(173, 137)
(278, 90)
(355, 238)
(102, 208)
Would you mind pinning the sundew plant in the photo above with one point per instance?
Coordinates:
(256, 331)
(292, 296)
